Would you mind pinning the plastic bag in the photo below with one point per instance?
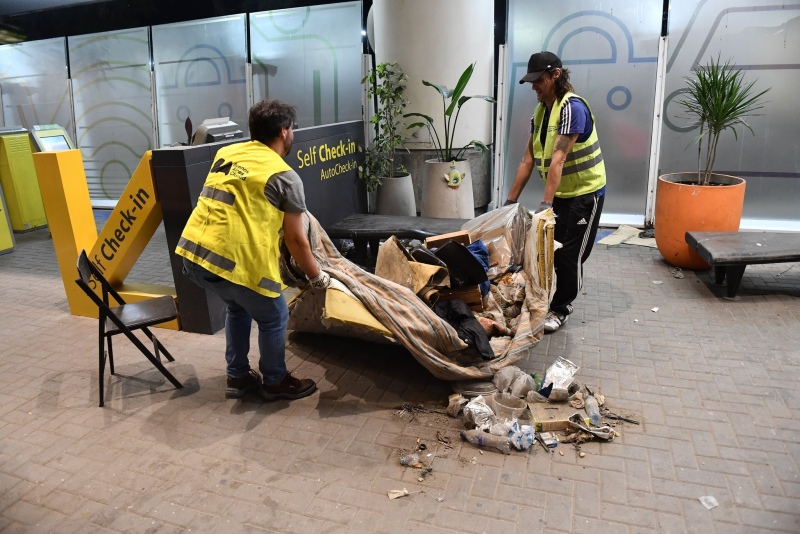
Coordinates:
(503, 232)
(559, 376)
(478, 413)
(455, 403)
(521, 437)
(502, 429)
(522, 384)
(502, 379)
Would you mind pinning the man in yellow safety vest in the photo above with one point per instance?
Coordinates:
(230, 246)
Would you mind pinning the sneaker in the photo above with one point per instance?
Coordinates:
(553, 321)
(289, 388)
(238, 387)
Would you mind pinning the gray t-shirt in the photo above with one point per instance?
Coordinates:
(284, 190)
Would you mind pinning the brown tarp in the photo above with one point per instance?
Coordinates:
(431, 340)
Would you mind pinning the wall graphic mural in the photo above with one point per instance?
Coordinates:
(612, 58)
(34, 88)
(200, 74)
(113, 107)
(311, 58)
(762, 38)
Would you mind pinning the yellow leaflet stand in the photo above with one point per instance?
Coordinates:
(130, 227)
(6, 237)
(18, 178)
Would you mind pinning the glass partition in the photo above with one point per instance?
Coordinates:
(310, 57)
(200, 74)
(113, 107)
(762, 39)
(34, 88)
(611, 54)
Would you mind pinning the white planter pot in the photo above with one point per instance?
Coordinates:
(396, 196)
(442, 201)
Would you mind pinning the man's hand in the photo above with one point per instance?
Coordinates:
(509, 202)
(544, 206)
(321, 281)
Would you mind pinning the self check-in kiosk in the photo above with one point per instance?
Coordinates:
(215, 130)
(50, 137)
(18, 179)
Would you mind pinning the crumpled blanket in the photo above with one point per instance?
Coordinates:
(429, 338)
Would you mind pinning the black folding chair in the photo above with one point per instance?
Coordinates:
(126, 318)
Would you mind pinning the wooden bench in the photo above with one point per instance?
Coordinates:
(731, 252)
(365, 229)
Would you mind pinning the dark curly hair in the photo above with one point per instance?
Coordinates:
(268, 118)
(562, 84)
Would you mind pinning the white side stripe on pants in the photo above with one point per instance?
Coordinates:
(586, 233)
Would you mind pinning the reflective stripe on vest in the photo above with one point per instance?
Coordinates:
(269, 285)
(204, 254)
(216, 194)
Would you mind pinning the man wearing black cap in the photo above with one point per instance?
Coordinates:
(565, 148)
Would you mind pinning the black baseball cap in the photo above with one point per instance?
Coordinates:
(538, 64)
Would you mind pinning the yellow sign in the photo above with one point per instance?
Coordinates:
(326, 155)
(130, 227)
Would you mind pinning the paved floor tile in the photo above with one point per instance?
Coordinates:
(715, 384)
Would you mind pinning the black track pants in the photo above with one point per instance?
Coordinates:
(576, 227)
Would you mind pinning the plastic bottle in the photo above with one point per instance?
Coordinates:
(411, 460)
(484, 439)
(592, 410)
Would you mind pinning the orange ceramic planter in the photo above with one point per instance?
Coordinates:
(685, 207)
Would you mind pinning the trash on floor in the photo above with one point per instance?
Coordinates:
(484, 439)
(396, 494)
(519, 413)
(676, 272)
(411, 460)
(628, 235)
(455, 404)
(709, 502)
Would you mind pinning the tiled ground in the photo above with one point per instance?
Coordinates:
(716, 384)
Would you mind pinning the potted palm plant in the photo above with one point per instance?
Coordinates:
(449, 171)
(381, 171)
(718, 99)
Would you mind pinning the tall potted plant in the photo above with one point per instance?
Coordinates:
(380, 171)
(449, 171)
(718, 99)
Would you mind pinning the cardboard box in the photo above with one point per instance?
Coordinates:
(552, 416)
(471, 296)
(436, 241)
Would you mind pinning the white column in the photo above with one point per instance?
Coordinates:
(435, 40)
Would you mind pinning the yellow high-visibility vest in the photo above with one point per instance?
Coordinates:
(233, 230)
(584, 171)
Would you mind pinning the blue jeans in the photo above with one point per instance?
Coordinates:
(245, 305)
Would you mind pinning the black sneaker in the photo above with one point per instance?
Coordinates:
(289, 388)
(238, 387)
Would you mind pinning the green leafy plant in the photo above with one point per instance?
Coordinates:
(386, 85)
(717, 97)
(452, 100)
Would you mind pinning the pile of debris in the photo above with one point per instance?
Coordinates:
(526, 408)
(464, 304)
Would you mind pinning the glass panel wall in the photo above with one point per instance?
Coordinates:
(310, 57)
(763, 39)
(34, 87)
(611, 51)
(200, 74)
(113, 107)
